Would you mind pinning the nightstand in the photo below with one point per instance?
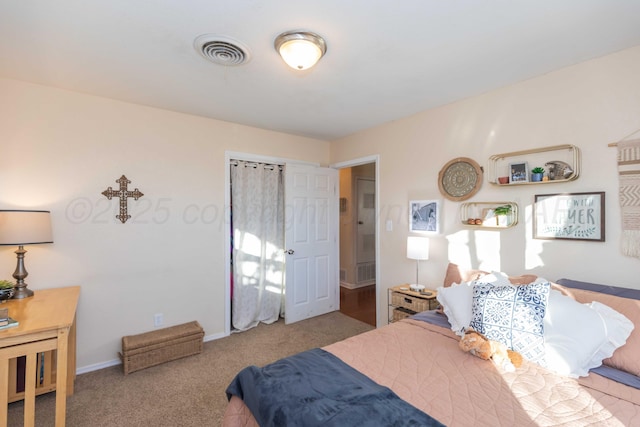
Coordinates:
(404, 302)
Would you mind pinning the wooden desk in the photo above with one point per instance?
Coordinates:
(47, 322)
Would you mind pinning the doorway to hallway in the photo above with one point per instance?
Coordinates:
(358, 270)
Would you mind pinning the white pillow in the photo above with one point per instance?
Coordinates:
(496, 278)
(579, 336)
(456, 303)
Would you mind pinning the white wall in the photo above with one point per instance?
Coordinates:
(588, 105)
(60, 150)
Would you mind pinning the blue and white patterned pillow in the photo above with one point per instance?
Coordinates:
(512, 315)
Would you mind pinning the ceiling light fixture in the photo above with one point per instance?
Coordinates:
(300, 49)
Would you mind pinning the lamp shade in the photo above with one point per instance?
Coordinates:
(23, 227)
(418, 248)
(300, 49)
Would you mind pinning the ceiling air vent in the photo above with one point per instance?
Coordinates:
(222, 50)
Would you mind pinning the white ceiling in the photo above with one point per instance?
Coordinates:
(386, 59)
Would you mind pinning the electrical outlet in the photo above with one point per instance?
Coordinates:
(158, 319)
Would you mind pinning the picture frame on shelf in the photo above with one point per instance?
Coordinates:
(570, 216)
(518, 172)
(424, 216)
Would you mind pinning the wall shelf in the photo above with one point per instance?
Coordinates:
(498, 165)
(484, 214)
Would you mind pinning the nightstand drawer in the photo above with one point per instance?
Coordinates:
(412, 303)
(401, 313)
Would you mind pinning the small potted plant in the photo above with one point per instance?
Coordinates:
(536, 174)
(6, 290)
(502, 215)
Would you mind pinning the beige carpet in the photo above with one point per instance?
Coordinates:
(189, 391)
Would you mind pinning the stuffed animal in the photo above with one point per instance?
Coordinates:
(484, 348)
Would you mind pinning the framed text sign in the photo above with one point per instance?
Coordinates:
(571, 216)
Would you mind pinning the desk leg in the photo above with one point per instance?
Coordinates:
(4, 392)
(61, 377)
(71, 358)
(30, 390)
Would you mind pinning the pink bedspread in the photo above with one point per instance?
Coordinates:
(423, 365)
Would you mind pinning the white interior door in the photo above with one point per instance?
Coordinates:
(311, 242)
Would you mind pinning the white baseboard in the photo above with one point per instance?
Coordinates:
(214, 337)
(97, 366)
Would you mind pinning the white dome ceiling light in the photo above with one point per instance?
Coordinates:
(300, 49)
(222, 50)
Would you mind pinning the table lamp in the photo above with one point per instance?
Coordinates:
(418, 249)
(19, 228)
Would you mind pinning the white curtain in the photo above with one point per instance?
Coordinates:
(257, 200)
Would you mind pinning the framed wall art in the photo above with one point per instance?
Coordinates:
(424, 216)
(570, 216)
(518, 172)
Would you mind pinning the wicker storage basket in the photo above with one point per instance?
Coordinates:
(409, 302)
(153, 348)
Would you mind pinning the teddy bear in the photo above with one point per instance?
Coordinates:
(484, 348)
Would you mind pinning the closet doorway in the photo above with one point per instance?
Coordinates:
(291, 262)
(358, 240)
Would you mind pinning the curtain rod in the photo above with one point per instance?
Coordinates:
(271, 166)
(615, 144)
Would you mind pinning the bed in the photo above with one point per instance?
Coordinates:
(421, 371)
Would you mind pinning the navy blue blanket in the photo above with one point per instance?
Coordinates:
(315, 388)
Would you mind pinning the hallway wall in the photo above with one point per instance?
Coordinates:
(349, 220)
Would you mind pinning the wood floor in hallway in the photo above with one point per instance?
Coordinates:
(359, 303)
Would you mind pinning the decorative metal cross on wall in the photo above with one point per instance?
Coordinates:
(123, 193)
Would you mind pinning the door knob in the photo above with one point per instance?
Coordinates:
(360, 222)
(290, 252)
